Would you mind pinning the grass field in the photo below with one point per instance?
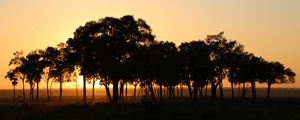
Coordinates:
(247, 109)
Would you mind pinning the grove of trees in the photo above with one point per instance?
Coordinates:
(123, 51)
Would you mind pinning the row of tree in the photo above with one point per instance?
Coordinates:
(121, 51)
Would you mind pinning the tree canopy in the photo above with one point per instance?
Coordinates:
(123, 50)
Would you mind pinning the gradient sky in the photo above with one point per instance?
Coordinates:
(267, 28)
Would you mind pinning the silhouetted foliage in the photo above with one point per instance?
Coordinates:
(122, 51)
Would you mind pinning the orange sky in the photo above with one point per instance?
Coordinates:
(268, 28)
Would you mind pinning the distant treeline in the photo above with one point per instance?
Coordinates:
(122, 51)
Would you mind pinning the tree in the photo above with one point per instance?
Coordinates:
(63, 68)
(35, 71)
(196, 58)
(118, 37)
(49, 56)
(220, 49)
(162, 63)
(20, 70)
(275, 73)
(14, 80)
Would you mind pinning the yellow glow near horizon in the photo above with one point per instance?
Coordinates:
(268, 28)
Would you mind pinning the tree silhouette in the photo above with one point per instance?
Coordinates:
(118, 36)
(196, 56)
(276, 73)
(121, 51)
(49, 56)
(14, 80)
(35, 71)
(20, 70)
(220, 49)
(164, 65)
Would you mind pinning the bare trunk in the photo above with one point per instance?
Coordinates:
(84, 88)
(31, 92)
(115, 91)
(161, 92)
(173, 91)
(177, 89)
(253, 89)
(51, 88)
(181, 90)
(243, 91)
(48, 93)
(213, 91)
(170, 92)
(60, 88)
(195, 91)
(37, 92)
(164, 89)
(206, 90)
(201, 90)
(93, 91)
(121, 91)
(23, 90)
(269, 89)
(134, 91)
(239, 90)
(221, 89)
(107, 92)
(126, 90)
(189, 88)
(76, 88)
(232, 91)
(152, 92)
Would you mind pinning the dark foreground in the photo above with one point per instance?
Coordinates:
(248, 109)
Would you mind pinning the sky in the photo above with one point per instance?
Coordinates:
(267, 28)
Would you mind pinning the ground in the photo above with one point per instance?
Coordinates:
(247, 109)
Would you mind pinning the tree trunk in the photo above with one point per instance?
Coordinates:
(181, 90)
(244, 91)
(37, 92)
(60, 88)
(269, 89)
(76, 88)
(31, 92)
(232, 91)
(213, 91)
(221, 89)
(84, 89)
(51, 87)
(32, 99)
(126, 90)
(48, 93)
(170, 92)
(195, 91)
(115, 91)
(152, 92)
(107, 92)
(160, 91)
(23, 91)
(93, 91)
(164, 89)
(189, 88)
(146, 91)
(134, 91)
(239, 90)
(206, 90)
(253, 89)
(201, 90)
(121, 90)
